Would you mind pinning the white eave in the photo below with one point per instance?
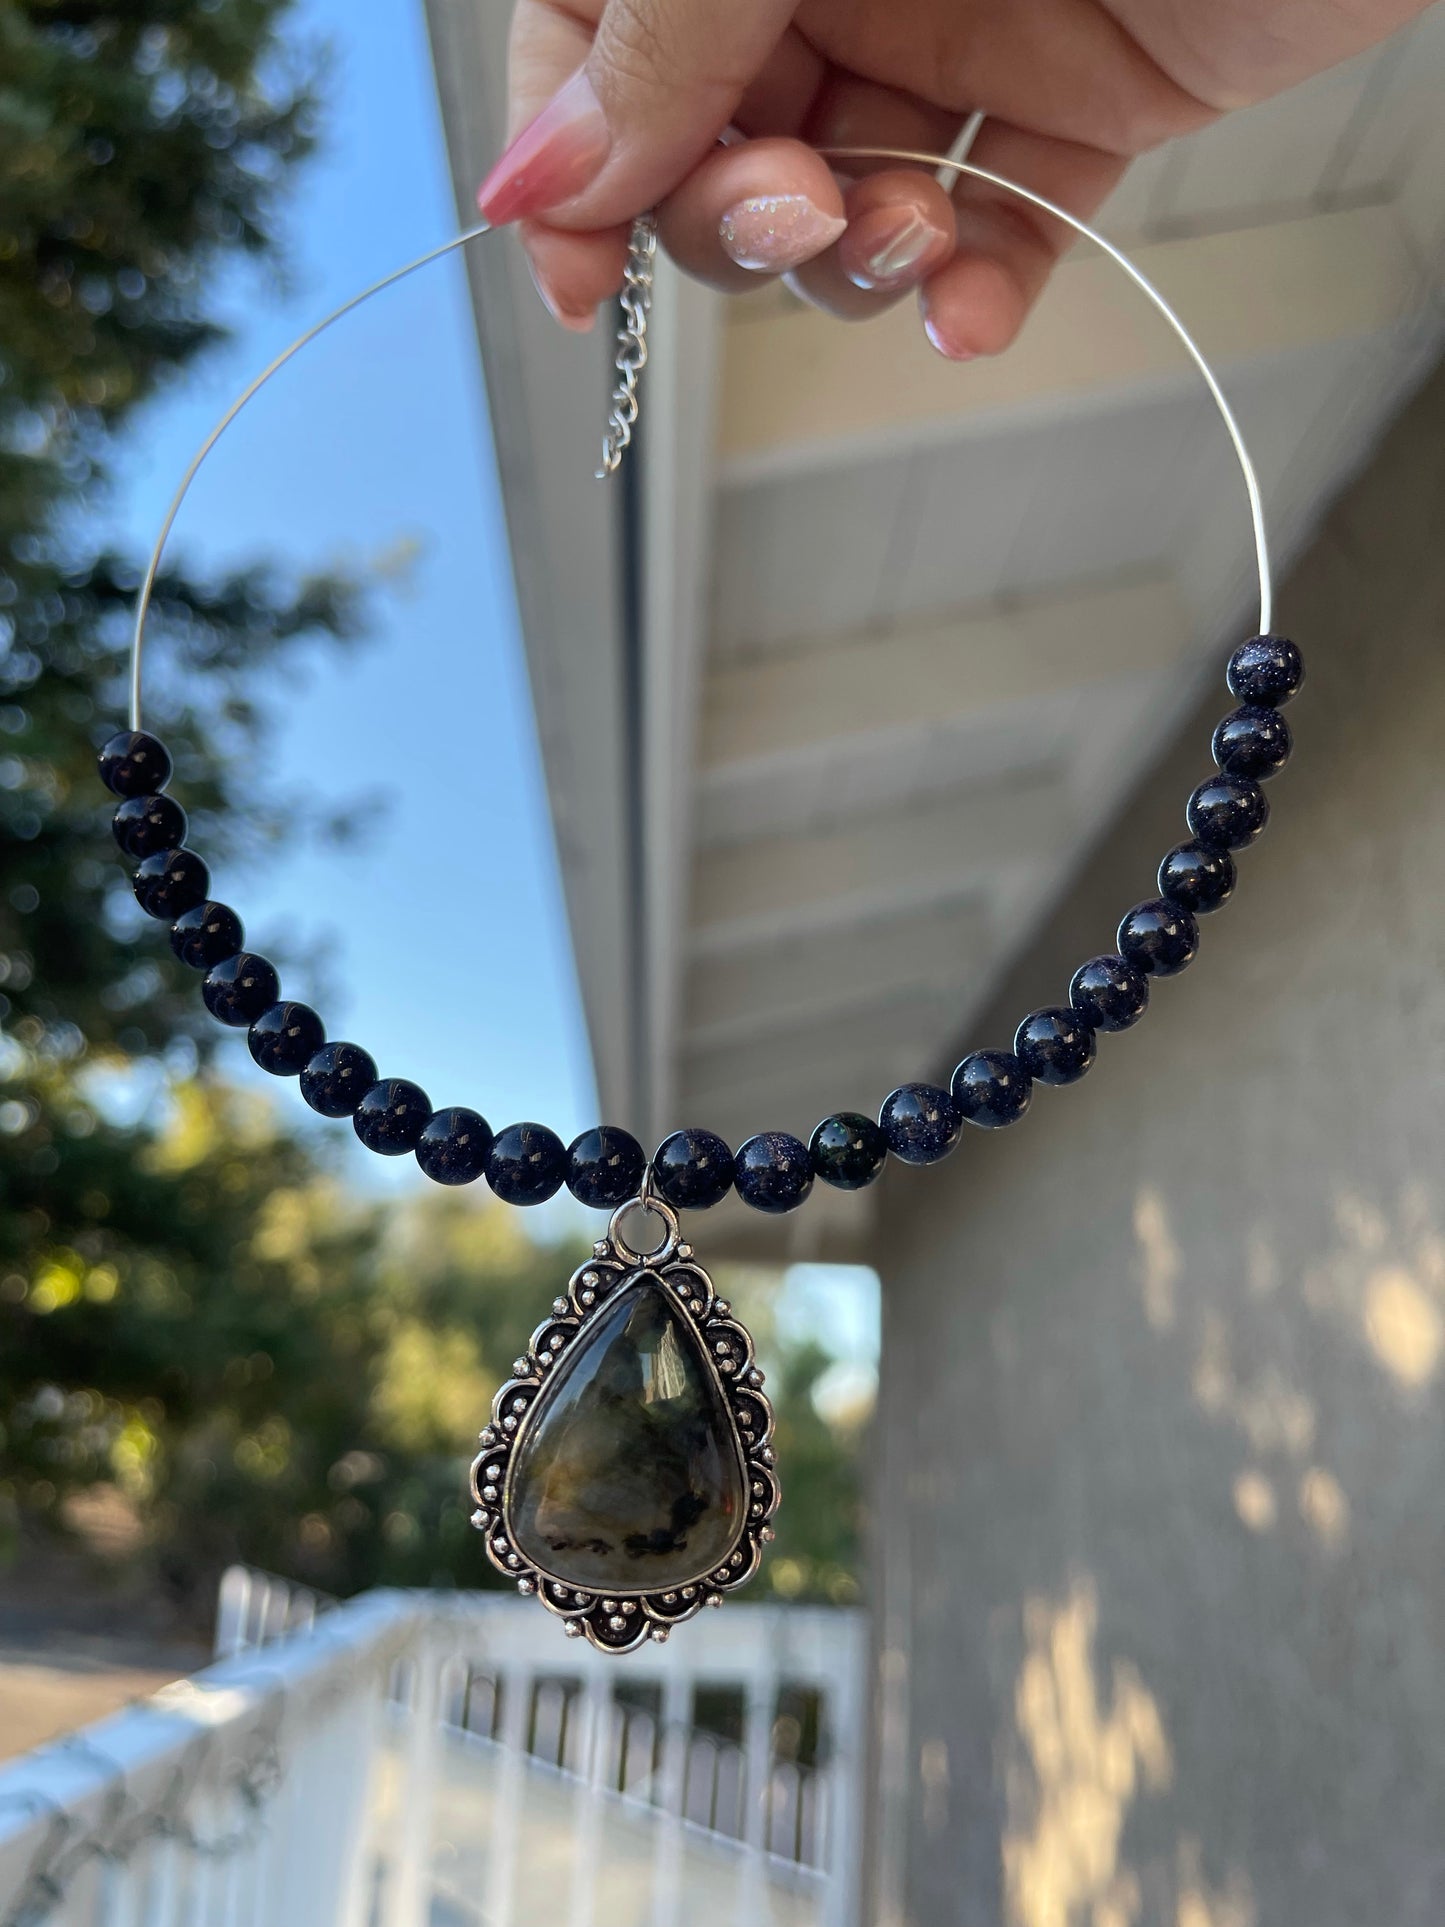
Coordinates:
(834, 694)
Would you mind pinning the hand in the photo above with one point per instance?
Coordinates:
(621, 105)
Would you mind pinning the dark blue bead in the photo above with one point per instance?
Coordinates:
(1266, 669)
(920, 1122)
(239, 988)
(1252, 741)
(1159, 938)
(170, 883)
(991, 1088)
(144, 824)
(773, 1172)
(527, 1164)
(285, 1038)
(1227, 812)
(1109, 993)
(391, 1116)
(135, 763)
(604, 1167)
(207, 935)
(453, 1148)
(693, 1169)
(337, 1078)
(848, 1150)
(1055, 1045)
(1197, 878)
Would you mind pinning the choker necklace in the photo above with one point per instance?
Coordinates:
(627, 1477)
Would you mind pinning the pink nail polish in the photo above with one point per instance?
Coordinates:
(945, 343)
(774, 232)
(554, 157)
(578, 321)
(886, 248)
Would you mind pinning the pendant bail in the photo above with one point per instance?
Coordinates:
(650, 1201)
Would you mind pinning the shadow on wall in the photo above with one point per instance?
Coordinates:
(1074, 1766)
(1087, 1741)
(1160, 1408)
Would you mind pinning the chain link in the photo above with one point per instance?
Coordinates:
(631, 357)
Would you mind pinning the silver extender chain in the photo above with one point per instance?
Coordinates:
(631, 356)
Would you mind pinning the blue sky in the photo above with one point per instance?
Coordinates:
(443, 935)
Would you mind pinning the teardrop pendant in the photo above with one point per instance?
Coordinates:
(627, 1477)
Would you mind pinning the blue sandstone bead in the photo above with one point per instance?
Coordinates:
(604, 1167)
(145, 824)
(239, 988)
(134, 763)
(1055, 1045)
(1109, 993)
(337, 1078)
(1226, 812)
(455, 1146)
(920, 1122)
(285, 1038)
(1159, 938)
(170, 883)
(1197, 878)
(1252, 741)
(848, 1150)
(1266, 669)
(693, 1169)
(392, 1116)
(991, 1088)
(207, 935)
(773, 1172)
(526, 1164)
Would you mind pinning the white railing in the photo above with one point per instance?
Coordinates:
(256, 1608)
(447, 1760)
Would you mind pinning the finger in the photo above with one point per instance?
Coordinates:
(847, 112)
(900, 221)
(900, 228)
(661, 80)
(750, 211)
(574, 273)
(1006, 250)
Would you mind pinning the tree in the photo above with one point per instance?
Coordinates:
(193, 1311)
(143, 147)
(265, 1366)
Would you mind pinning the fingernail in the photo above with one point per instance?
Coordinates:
(554, 157)
(887, 247)
(774, 232)
(945, 342)
(579, 320)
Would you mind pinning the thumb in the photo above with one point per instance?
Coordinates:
(659, 83)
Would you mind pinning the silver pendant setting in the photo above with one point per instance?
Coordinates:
(602, 1583)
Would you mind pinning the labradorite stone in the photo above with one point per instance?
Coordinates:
(627, 1477)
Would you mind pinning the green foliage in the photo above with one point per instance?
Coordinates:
(142, 148)
(268, 1368)
(196, 1317)
(264, 1366)
(820, 1522)
(141, 145)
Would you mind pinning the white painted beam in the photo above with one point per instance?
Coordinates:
(968, 663)
(802, 394)
(675, 449)
(544, 389)
(795, 1098)
(892, 769)
(939, 946)
(947, 849)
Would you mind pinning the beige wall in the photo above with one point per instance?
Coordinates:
(1161, 1507)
